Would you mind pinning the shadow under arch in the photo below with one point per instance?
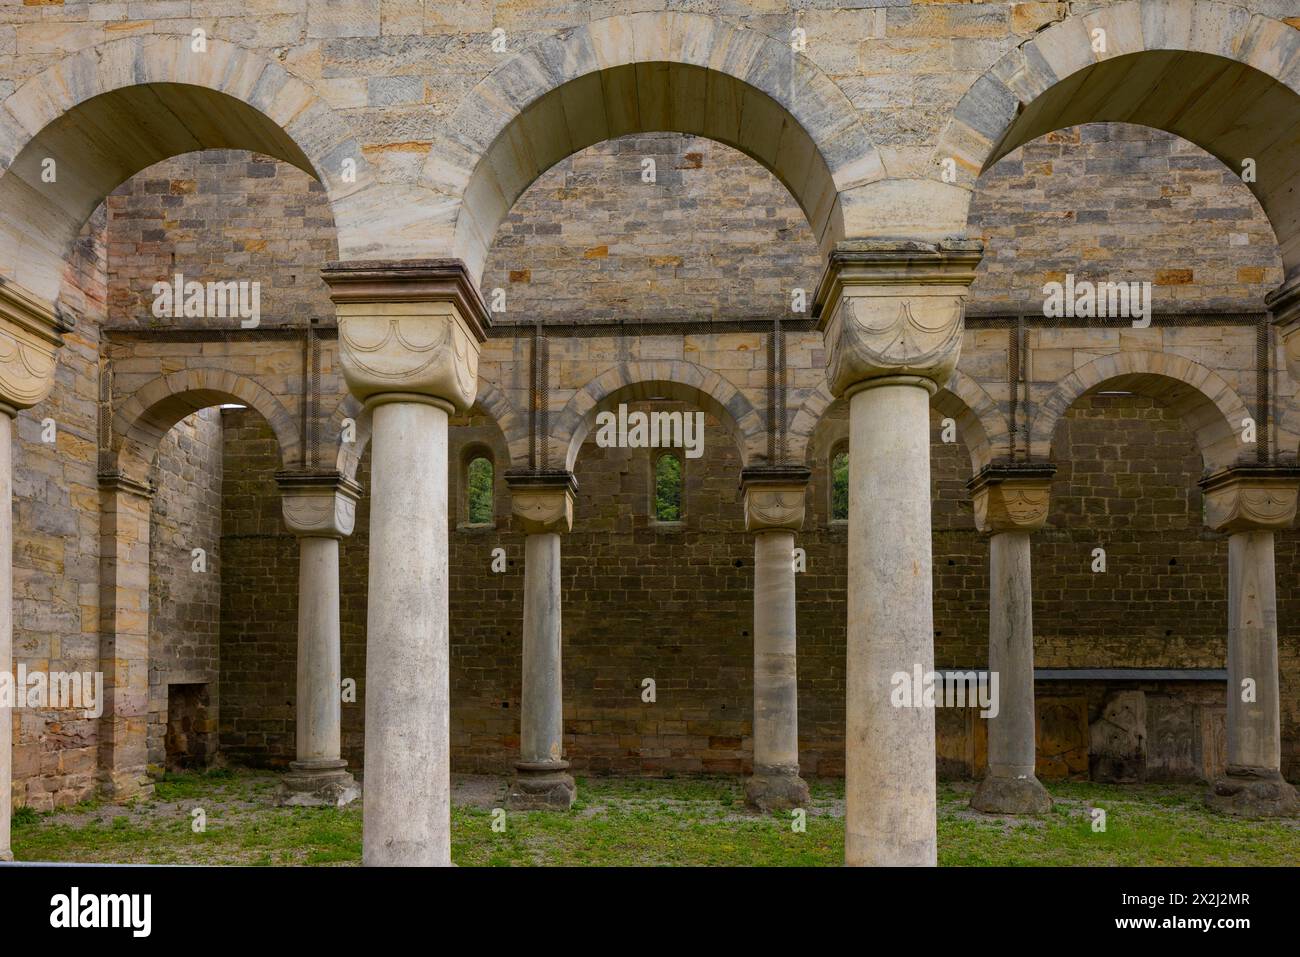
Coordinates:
(100, 115)
(1212, 73)
(651, 72)
(676, 379)
(1199, 396)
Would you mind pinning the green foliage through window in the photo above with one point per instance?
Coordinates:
(668, 489)
(480, 491)
(840, 487)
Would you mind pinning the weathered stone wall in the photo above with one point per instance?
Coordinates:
(184, 604)
(56, 545)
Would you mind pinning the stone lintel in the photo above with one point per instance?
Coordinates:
(115, 481)
(775, 496)
(318, 504)
(892, 310)
(542, 501)
(1284, 305)
(1011, 498)
(408, 330)
(1244, 498)
(31, 333)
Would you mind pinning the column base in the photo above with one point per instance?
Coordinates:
(776, 789)
(542, 786)
(1011, 795)
(6, 857)
(1252, 792)
(317, 784)
(117, 787)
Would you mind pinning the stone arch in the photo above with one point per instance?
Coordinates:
(1212, 73)
(979, 422)
(1199, 396)
(674, 379)
(491, 400)
(108, 111)
(645, 72)
(140, 423)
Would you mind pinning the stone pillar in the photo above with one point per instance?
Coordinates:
(542, 503)
(1010, 503)
(30, 336)
(319, 510)
(1249, 503)
(774, 510)
(409, 335)
(891, 313)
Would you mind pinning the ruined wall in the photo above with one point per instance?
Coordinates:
(184, 604)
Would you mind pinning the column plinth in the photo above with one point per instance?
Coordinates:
(892, 316)
(1250, 503)
(320, 509)
(542, 505)
(1011, 502)
(774, 511)
(409, 335)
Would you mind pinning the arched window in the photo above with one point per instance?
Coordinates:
(840, 485)
(668, 489)
(478, 491)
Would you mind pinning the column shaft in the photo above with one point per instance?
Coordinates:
(776, 696)
(541, 723)
(1254, 727)
(319, 670)
(407, 819)
(890, 751)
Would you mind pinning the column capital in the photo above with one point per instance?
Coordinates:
(892, 310)
(774, 496)
(542, 501)
(115, 481)
(1011, 498)
(1284, 305)
(1247, 498)
(31, 332)
(409, 330)
(318, 504)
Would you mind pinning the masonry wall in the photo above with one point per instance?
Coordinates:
(185, 604)
(56, 544)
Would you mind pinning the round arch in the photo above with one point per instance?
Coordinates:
(1212, 73)
(1199, 396)
(151, 411)
(676, 379)
(648, 72)
(100, 115)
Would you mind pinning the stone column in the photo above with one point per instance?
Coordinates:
(30, 336)
(319, 510)
(774, 510)
(409, 335)
(891, 313)
(1010, 503)
(542, 503)
(1249, 503)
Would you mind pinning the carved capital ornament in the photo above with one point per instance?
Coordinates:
(31, 332)
(542, 502)
(894, 311)
(318, 505)
(1251, 498)
(775, 497)
(1011, 498)
(408, 331)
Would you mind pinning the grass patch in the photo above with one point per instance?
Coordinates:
(636, 821)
